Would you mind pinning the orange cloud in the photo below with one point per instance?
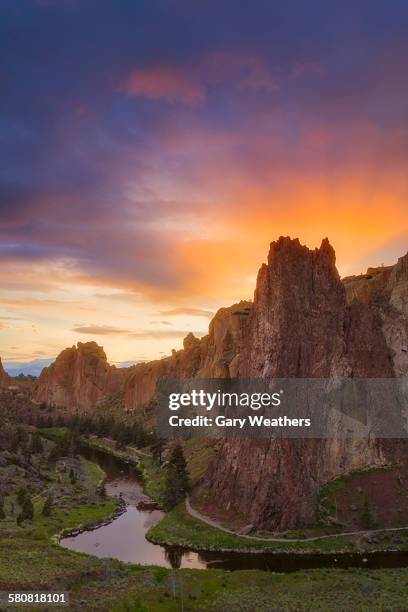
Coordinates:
(189, 86)
(165, 82)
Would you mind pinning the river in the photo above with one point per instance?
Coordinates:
(124, 538)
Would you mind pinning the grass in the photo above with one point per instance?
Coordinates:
(128, 453)
(53, 433)
(326, 503)
(153, 479)
(30, 560)
(255, 591)
(179, 528)
(109, 585)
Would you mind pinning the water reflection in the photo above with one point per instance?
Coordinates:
(124, 538)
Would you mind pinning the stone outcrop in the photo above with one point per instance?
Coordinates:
(5, 379)
(213, 356)
(302, 324)
(80, 378)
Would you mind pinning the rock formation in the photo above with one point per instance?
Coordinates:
(80, 378)
(5, 379)
(304, 322)
(301, 325)
(385, 290)
(213, 356)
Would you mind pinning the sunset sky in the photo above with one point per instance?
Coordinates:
(151, 151)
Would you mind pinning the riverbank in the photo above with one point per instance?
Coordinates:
(187, 529)
(179, 528)
(30, 560)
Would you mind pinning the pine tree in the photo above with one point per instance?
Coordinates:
(177, 482)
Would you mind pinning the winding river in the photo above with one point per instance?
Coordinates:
(124, 538)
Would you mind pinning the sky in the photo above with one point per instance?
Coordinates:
(151, 151)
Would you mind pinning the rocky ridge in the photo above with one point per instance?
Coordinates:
(80, 378)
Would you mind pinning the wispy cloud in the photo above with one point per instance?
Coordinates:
(160, 323)
(100, 330)
(192, 312)
(141, 334)
(163, 334)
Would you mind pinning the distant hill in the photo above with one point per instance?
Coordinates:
(34, 367)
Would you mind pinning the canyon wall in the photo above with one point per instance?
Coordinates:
(385, 291)
(306, 323)
(213, 356)
(81, 377)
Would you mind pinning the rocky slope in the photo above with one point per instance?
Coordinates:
(5, 379)
(306, 323)
(80, 378)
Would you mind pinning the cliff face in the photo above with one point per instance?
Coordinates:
(385, 291)
(213, 356)
(302, 325)
(80, 378)
(5, 379)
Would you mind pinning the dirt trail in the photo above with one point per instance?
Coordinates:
(204, 519)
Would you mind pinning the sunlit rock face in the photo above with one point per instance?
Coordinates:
(80, 378)
(306, 323)
(213, 356)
